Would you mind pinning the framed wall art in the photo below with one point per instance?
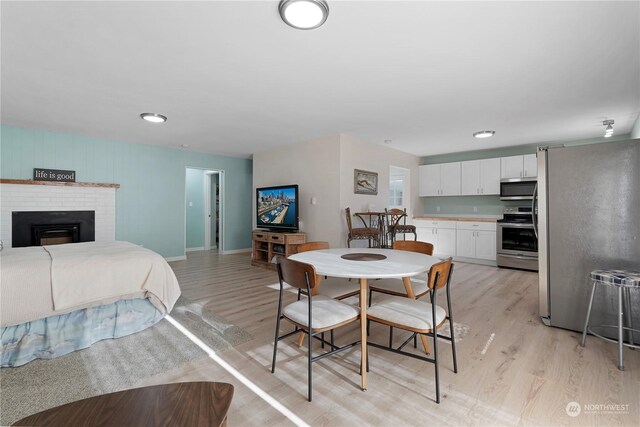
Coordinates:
(365, 182)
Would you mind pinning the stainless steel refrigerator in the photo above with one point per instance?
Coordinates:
(588, 200)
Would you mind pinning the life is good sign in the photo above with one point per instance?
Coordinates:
(53, 175)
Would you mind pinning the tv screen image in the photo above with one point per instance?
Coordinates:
(277, 207)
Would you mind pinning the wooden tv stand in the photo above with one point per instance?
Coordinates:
(269, 244)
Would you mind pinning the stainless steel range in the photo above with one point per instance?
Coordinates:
(517, 244)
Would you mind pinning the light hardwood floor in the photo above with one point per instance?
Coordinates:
(526, 376)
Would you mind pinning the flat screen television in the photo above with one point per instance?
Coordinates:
(277, 207)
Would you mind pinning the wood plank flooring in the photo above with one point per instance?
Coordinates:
(526, 375)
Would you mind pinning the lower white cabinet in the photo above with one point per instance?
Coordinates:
(476, 240)
(441, 234)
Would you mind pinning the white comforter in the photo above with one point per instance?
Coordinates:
(38, 282)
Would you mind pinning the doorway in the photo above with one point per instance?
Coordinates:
(399, 186)
(204, 213)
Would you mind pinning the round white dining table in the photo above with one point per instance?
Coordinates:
(396, 264)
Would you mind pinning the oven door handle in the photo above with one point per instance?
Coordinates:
(533, 209)
(515, 225)
(518, 256)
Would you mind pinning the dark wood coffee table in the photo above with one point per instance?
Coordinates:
(180, 404)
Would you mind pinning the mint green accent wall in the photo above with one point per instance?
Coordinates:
(150, 201)
(488, 205)
(195, 207)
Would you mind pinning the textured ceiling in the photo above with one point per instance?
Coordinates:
(234, 79)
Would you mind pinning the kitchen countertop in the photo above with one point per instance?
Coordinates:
(459, 217)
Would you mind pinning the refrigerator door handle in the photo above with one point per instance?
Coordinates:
(533, 210)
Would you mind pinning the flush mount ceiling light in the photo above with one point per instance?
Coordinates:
(304, 14)
(484, 134)
(608, 132)
(153, 117)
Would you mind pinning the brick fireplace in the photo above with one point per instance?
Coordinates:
(37, 197)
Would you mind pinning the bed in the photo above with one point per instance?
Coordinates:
(62, 298)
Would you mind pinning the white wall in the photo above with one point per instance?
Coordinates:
(315, 167)
(358, 154)
(324, 169)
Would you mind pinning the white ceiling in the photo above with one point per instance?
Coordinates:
(234, 79)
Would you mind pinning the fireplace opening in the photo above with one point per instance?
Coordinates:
(44, 235)
(39, 228)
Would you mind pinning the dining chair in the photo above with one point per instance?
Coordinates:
(314, 315)
(395, 217)
(396, 286)
(332, 287)
(420, 317)
(361, 233)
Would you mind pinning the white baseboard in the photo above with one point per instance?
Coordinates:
(236, 251)
(176, 258)
(199, 248)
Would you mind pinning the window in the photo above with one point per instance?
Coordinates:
(398, 187)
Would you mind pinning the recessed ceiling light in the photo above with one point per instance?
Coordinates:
(304, 14)
(484, 134)
(153, 117)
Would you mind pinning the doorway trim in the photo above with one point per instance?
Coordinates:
(207, 206)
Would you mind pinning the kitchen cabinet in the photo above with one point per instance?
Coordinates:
(476, 240)
(519, 166)
(530, 165)
(480, 177)
(441, 234)
(440, 180)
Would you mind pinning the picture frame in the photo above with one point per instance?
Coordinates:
(365, 182)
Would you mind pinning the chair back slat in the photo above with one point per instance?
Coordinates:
(396, 216)
(348, 213)
(414, 246)
(439, 274)
(296, 273)
(312, 246)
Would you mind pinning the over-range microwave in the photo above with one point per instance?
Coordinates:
(517, 188)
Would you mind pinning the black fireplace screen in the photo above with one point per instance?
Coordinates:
(52, 227)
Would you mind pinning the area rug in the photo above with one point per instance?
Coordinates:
(113, 365)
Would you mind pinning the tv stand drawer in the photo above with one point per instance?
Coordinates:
(276, 237)
(261, 236)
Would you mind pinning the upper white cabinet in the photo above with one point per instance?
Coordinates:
(480, 177)
(440, 180)
(519, 166)
(530, 165)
